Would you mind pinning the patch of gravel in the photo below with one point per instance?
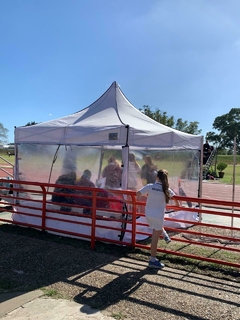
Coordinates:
(114, 279)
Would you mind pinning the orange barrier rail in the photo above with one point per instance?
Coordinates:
(121, 221)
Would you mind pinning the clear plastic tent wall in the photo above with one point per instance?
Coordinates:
(45, 163)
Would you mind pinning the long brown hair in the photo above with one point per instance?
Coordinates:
(112, 159)
(149, 162)
(163, 177)
(132, 158)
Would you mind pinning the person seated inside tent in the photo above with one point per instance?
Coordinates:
(113, 173)
(67, 179)
(85, 181)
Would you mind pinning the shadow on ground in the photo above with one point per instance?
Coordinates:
(109, 279)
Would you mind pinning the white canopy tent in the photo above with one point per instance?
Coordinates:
(111, 124)
(110, 121)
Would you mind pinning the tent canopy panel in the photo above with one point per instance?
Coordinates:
(110, 120)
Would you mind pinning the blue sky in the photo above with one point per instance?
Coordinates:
(58, 56)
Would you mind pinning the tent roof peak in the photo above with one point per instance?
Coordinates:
(109, 121)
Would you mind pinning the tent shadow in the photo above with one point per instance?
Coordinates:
(118, 289)
(32, 260)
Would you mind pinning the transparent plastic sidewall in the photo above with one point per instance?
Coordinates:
(45, 163)
(182, 166)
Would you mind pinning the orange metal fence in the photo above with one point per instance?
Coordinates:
(116, 216)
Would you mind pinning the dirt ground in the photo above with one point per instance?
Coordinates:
(114, 279)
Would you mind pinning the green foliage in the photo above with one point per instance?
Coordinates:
(3, 134)
(192, 128)
(228, 127)
(228, 172)
(32, 123)
(228, 175)
(212, 172)
(230, 152)
(162, 117)
(118, 316)
(158, 116)
(53, 293)
(221, 166)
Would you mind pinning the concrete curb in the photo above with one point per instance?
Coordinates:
(12, 301)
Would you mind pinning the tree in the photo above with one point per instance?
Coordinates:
(192, 128)
(158, 116)
(163, 118)
(214, 138)
(32, 123)
(3, 134)
(180, 124)
(228, 126)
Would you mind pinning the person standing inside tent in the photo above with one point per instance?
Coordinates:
(133, 172)
(113, 173)
(148, 171)
(158, 195)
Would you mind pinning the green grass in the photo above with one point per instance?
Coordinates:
(53, 293)
(228, 172)
(189, 263)
(118, 316)
(3, 153)
(228, 159)
(202, 251)
(228, 175)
